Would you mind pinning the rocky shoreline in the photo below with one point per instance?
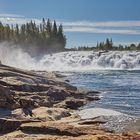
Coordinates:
(41, 105)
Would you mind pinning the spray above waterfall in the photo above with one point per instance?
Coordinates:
(86, 61)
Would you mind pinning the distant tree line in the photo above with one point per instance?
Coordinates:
(107, 45)
(47, 36)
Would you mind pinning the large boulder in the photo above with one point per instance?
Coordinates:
(45, 113)
(57, 95)
(74, 103)
(8, 125)
(5, 93)
(7, 98)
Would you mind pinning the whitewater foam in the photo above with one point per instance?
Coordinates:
(97, 112)
(114, 120)
(71, 61)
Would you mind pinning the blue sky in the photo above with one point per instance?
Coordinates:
(85, 21)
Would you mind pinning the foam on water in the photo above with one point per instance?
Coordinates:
(96, 112)
(115, 120)
(70, 61)
(87, 61)
(121, 87)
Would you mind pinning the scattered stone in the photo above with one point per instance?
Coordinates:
(67, 80)
(74, 103)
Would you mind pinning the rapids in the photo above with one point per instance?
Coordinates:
(72, 60)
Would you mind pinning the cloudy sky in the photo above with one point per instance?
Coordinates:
(85, 21)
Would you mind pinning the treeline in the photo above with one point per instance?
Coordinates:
(47, 36)
(107, 45)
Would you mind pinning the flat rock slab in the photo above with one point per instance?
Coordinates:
(8, 125)
(96, 112)
(60, 129)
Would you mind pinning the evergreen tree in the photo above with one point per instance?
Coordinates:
(42, 37)
(108, 45)
(138, 47)
(44, 24)
(61, 36)
(49, 28)
(54, 30)
(133, 47)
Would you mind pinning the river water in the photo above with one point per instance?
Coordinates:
(115, 73)
(120, 89)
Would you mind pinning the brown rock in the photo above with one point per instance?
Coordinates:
(7, 98)
(50, 113)
(74, 103)
(5, 93)
(57, 94)
(51, 128)
(7, 126)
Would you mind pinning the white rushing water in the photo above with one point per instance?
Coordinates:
(120, 103)
(70, 61)
(115, 121)
(97, 112)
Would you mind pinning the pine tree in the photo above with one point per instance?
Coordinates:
(61, 37)
(138, 47)
(1, 32)
(43, 36)
(49, 29)
(108, 44)
(44, 24)
(54, 30)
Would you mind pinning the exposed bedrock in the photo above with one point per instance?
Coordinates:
(7, 126)
(20, 88)
(33, 102)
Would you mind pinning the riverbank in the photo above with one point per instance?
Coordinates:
(41, 105)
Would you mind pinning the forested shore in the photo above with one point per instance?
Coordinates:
(107, 45)
(48, 37)
(43, 38)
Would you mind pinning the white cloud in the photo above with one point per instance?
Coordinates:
(106, 27)
(11, 15)
(98, 30)
(19, 20)
(111, 27)
(103, 24)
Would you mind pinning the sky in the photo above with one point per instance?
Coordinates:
(85, 21)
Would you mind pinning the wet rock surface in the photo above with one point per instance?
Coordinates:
(22, 88)
(7, 125)
(41, 105)
(27, 93)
